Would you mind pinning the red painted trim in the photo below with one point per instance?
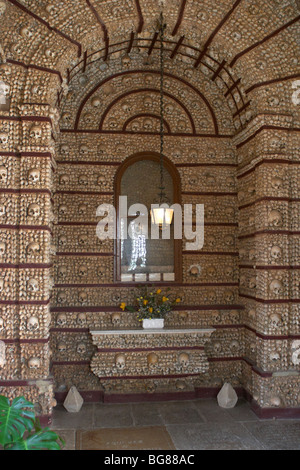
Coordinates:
(136, 116)
(269, 162)
(262, 41)
(267, 127)
(36, 67)
(140, 15)
(269, 82)
(110, 308)
(150, 90)
(147, 71)
(154, 39)
(48, 26)
(177, 348)
(215, 31)
(180, 17)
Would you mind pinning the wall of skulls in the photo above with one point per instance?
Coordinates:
(245, 280)
(268, 199)
(85, 295)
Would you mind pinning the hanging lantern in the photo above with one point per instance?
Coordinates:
(162, 214)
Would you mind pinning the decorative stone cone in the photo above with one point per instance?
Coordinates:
(227, 397)
(73, 401)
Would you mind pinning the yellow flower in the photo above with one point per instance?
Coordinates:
(164, 299)
(178, 300)
(158, 291)
(145, 302)
(122, 306)
(150, 309)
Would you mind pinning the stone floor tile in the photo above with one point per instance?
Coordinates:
(179, 412)
(62, 419)
(276, 434)
(113, 416)
(212, 436)
(146, 414)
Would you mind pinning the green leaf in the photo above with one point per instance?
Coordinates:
(41, 440)
(15, 419)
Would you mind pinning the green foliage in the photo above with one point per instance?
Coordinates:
(21, 430)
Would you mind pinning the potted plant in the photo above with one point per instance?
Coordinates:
(152, 307)
(20, 428)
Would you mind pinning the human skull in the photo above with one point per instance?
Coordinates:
(33, 249)
(83, 180)
(2, 325)
(148, 124)
(36, 132)
(81, 348)
(252, 282)
(112, 123)
(64, 149)
(3, 174)
(217, 347)
(181, 125)
(82, 209)
(275, 218)
(33, 176)
(84, 150)
(3, 139)
(26, 32)
(152, 360)
(194, 270)
(96, 102)
(126, 61)
(33, 324)
(61, 297)
(101, 180)
(252, 254)
(64, 179)
(2, 210)
(148, 103)
(126, 106)
(83, 270)
(62, 240)
(88, 118)
(34, 363)
(62, 209)
(62, 347)
(177, 152)
(62, 271)
(274, 356)
(135, 126)
(49, 53)
(276, 286)
(275, 253)
(2, 248)
(184, 359)
(82, 239)
(120, 361)
(275, 320)
(276, 182)
(234, 346)
(61, 319)
(33, 210)
(81, 319)
(210, 211)
(82, 297)
(116, 319)
(32, 285)
(228, 296)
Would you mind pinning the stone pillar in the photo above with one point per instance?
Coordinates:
(269, 278)
(28, 161)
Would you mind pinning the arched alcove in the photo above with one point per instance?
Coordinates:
(138, 255)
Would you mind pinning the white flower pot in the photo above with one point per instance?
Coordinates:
(153, 323)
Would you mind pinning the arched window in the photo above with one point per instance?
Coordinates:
(140, 255)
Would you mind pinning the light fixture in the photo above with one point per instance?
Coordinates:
(162, 215)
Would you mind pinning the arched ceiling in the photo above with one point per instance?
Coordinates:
(95, 60)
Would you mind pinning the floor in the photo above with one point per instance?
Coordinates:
(179, 425)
